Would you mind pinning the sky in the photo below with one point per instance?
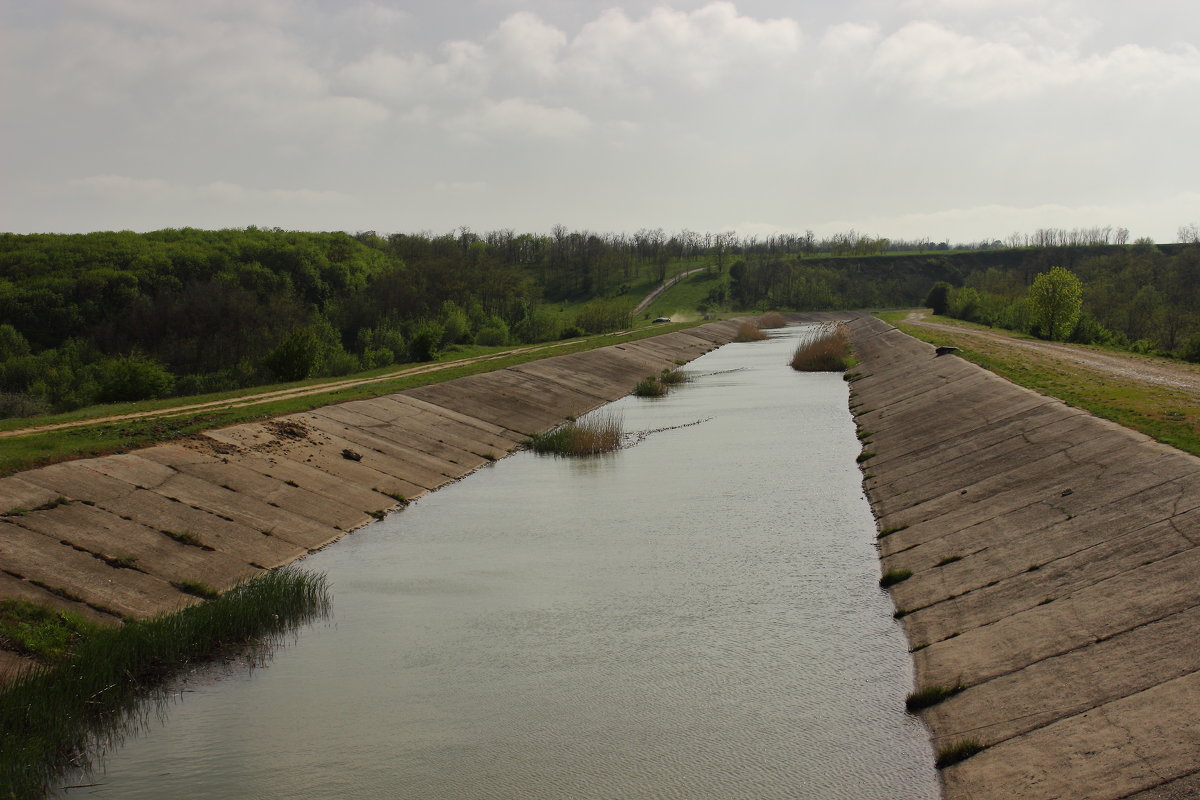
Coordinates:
(955, 120)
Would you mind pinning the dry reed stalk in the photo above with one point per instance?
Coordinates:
(826, 351)
(749, 332)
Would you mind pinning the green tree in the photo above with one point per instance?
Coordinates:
(296, 357)
(1057, 300)
(132, 377)
(939, 298)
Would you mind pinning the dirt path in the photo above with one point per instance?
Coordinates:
(650, 298)
(1131, 367)
(280, 394)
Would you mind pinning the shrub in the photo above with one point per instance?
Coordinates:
(672, 377)
(132, 377)
(938, 298)
(650, 387)
(494, 334)
(826, 352)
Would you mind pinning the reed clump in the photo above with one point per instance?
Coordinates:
(828, 351)
(749, 332)
(68, 712)
(596, 433)
(772, 319)
(650, 387)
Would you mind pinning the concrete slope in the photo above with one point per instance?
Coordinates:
(1055, 576)
(127, 535)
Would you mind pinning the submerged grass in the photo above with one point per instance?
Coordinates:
(107, 679)
(827, 351)
(596, 433)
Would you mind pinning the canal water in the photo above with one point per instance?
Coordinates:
(695, 616)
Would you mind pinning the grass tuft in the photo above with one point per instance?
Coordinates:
(109, 678)
(197, 589)
(650, 387)
(948, 560)
(596, 433)
(864, 455)
(959, 751)
(928, 696)
(894, 576)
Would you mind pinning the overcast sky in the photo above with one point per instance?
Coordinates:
(949, 119)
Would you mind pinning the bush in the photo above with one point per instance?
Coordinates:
(425, 341)
(1191, 349)
(296, 357)
(572, 332)
(494, 334)
(539, 325)
(132, 377)
(938, 298)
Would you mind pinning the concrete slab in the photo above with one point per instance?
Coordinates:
(116, 540)
(75, 575)
(274, 492)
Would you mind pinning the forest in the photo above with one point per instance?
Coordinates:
(120, 316)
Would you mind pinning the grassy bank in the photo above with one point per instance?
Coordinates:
(27, 451)
(99, 681)
(1167, 414)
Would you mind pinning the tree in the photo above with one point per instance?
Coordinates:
(1057, 300)
(939, 298)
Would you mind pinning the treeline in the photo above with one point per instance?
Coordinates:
(1144, 298)
(118, 316)
(106, 317)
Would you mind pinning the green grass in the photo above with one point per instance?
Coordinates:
(110, 678)
(928, 696)
(959, 751)
(1168, 414)
(894, 576)
(650, 387)
(681, 301)
(43, 633)
(23, 452)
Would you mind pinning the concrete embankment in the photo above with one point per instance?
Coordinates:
(1055, 576)
(139, 529)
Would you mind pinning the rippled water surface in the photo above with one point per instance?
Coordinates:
(696, 616)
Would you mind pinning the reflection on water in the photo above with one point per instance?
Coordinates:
(696, 616)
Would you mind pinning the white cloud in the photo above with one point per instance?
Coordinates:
(520, 117)
(941, 64)
(847, 37)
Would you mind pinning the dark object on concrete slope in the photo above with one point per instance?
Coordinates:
(944, 350)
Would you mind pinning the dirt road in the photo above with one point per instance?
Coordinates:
(1124, 366)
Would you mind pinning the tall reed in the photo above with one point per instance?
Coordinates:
(772, 319)
(825, 351)
(599, 432)
(749, 332)
(69, 713)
